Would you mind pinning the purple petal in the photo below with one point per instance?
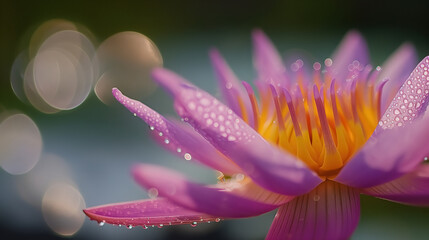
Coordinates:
(178, 139)
(329, 212)
(213, 201)
(412, 188)
(230, 86)
(267, 60)
(396, 69)
(352, 47)
(411, 100)
(146, 213)
(267, 165)
(387, 155)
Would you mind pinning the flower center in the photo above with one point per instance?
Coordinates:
(320, 120)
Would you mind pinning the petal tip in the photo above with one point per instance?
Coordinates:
(90, 214)
(354, 34)
(214, 53)
(117, 94)
(257, 32)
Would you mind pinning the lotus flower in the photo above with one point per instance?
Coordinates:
(311, 144)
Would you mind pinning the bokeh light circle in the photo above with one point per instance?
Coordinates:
(50, 169)
(62, 207)
(63, 70)
(126, 60)
(20, 144)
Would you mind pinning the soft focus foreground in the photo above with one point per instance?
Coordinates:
(74, 164)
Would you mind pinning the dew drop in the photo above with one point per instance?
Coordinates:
(160, 225)
(130, 226)
(101, 223)
(231, 138)
(144, 227)
(425, 159)
(316, 198)
(187, 156)
(217, 220)
(328, 62)
(160, 134)
(152, 128)
(135, 114)
(228, 85)
(191, 106)
(153, 193)
(208, 222)
(179, 150)
(239, 177)
(194, 224)
(209, 122)
(167, 141)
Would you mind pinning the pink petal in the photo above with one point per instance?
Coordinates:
(230, 86)
(147, 212)
(267, 60)
(396, 69)
(177, 138)
(329, 212)
(213, 201)
(352, 47)
(387, 155)
(412, 188)
(411, 100)
(267, 165)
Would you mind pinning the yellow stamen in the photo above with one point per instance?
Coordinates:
(321, 128)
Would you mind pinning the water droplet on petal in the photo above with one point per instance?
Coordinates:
(187, 156)
(130, 226)
(101, 223)
(167, 141)
(228, 85)
(179, 150)
(217, 220)
(194, 224)
(316, 198)
(153, 193)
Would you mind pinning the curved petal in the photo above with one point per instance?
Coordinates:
(388, 155)
(329, 212)
(267, 165)
(213, 201)
(178, 139)
(147, 212)
(396, 69)
(231, 88)
(411, 100)
(352, 47)
(245, 187)
(412, 188)
(267, 60)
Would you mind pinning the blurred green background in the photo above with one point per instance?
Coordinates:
(99, 142)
